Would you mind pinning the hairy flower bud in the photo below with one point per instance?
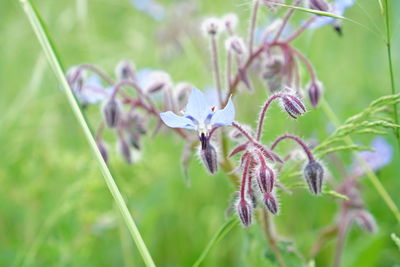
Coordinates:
(314, 175)
(230, 21)
(209, 158)
(321, 5)
(125, 70)
(157, 81)
(244, 211)
(314, 93)
(112, 112)
(265, 178)
(235, 44)
(366, 221)
(271, 203)
(125, 150)
(293, 105)
(211, 26)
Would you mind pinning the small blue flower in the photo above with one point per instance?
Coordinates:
(200, 115)
(151, 8)
(338, 8)
(377, 159)
(92, 90)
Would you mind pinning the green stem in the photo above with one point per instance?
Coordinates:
(391, 72)
(370, 173)
(52, 57)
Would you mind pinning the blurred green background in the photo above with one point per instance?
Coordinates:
(55, 209)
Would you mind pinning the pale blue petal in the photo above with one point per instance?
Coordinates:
(225, 116)
(197, 106)
(174, 121)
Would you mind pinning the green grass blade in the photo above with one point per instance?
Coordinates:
(308, 10)
(225, 229)
(56, 65)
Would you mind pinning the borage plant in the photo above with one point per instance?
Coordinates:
(268, 55)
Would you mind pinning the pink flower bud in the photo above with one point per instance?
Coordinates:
(293, 105)
(244, 211)
(209, 158)
(125, 70)
(321, 5)
(112, 112)
(125, 150)
(265, 178)
(271, 203)
(314, 93)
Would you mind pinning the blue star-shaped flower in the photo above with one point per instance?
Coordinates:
(200, 115)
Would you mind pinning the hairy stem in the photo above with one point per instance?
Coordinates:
(262, 114)
(253, 21)
(297, 140)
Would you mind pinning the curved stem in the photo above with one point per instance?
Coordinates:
(298, 141)
(262, 114)
(285, 20)
(243, 131)
(98, 71)
(300, 30)
(306, 62)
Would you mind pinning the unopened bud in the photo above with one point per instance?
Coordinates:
(271, 203)
(103, 150)
(211, 26)
(134, 140)
(314, 175)
(230, 21)
(125, 150)
(244, 211)
(265, 179)
(366, 221)
(314, 93)
(321, 5)
(209, 157)
(293, 105)
(157, 81)
(235, 44)
(112, 112)
(125, 70)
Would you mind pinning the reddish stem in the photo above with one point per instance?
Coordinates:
(244, 177)
(262, 114)
(299, 141)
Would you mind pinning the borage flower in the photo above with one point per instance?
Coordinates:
(200, 115)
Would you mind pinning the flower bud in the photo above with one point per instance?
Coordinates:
(125, 70)
(235, 44)
(245, 212)
(211, 26)
(366, 221)
(134, 140)
(271, 203)
(265, 178)
(103, 150)
(314, 93)
(314, 175)
(230, 21)
(157, 81)
(124, 149)
(112, 112)
(321, 5)
(209, 158)
(293, 105)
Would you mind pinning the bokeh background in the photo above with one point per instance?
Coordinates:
(55, 209)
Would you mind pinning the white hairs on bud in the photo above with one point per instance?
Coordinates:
(235, 44)
(230, 20)
(211, 26)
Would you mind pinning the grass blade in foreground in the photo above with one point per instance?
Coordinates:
(225, 229)
(48, 48)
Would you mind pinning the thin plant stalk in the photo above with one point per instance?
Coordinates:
(391, 71)
(370, 173)
(253, 21)
(48, 48)
(215, 62)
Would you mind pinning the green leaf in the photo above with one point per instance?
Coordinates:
(222, 232)
(308, 10)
